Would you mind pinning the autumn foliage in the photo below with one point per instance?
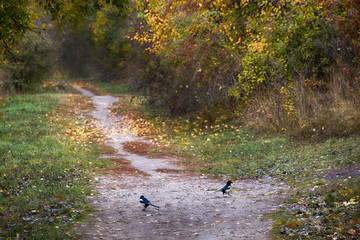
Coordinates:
(276, 65)
(283, 62)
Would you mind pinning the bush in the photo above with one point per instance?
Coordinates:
(32, 61)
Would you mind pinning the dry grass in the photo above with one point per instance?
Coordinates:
(307, 110)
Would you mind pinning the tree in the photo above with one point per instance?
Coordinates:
(20, 16)
(194, 41)
(35, 60)
(94, 43)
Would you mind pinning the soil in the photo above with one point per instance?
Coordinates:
(351, 171)
(191, 207)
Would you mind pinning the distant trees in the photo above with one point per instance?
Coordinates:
(94, 42)
(34, 59)
(18, 18)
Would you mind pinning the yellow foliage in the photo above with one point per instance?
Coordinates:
(174, 25)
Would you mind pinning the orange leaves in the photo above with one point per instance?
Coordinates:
(345, 15)
(292, 224)
(60, 197)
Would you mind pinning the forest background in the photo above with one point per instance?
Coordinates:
(289, 66)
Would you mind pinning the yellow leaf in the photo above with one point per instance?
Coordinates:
(352, 201)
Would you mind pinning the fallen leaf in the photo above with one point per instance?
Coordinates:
(352, 201)
(292, 224)
(357, 221)
(59, 196)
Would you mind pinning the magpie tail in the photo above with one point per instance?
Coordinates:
(154, 205)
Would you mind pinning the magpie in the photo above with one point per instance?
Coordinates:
(226, 188)
(146, 202)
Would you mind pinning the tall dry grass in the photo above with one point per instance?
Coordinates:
(309, 109)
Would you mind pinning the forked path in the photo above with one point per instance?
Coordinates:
(190, 206)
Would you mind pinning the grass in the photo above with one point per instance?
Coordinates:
(99, 87)
(328, 211)
(316, 208)
(113, 88)
(47, 156)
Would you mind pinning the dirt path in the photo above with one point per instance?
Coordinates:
(190, 206)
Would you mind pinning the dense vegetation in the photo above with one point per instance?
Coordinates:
(280, 65)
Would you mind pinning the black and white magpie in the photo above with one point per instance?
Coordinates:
(146, 202)
(226, 188)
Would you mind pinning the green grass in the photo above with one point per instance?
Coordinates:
(228, 150)
(114, 88)
(44, 169)
(316, 206)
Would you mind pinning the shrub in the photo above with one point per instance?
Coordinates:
(33, 60)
